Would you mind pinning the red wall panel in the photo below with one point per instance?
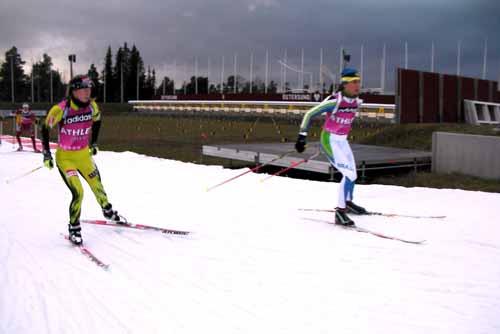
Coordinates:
(431, 97)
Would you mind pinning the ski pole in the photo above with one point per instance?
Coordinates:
(293, 165)
(22, 175)
(256, 168)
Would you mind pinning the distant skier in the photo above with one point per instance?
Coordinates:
(25, 123)
(79, 120)
(340, 109)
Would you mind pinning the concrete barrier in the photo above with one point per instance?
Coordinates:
(466, 154)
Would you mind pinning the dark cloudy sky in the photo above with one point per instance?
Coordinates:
(168, 30)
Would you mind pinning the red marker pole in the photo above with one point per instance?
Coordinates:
(293, 165)
(256, 168)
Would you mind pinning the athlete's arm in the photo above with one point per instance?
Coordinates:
(96, 125)
(54, 116)
(327, 105)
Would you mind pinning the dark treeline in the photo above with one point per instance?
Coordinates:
(123, 77)
(32, 87)
(240, 85)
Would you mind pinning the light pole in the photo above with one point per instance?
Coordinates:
(302, 69)
(251, 72)
(266, 79)
(284, 71)
(196, 75)
(432, 56)
(362, 64)
(208, 75)
(72, 59)
(235, 82)
(173, 75)
(222, 76)
(383, 69)
(341, 62)
(321, 70)
(485, 58)
(406, 55)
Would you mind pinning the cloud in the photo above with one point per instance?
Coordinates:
(255, 4)
(172, 30)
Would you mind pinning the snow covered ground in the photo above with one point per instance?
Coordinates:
(252, 263)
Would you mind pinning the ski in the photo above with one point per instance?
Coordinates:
(133, 226)
(371, 213)
(85, 251)
(365, 230)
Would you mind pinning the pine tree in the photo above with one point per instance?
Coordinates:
(153, 84)
(107, 76)
(12, 57)
(118, 72)
(41, 81)
(136, 73)
(169, 86)
(272, 88)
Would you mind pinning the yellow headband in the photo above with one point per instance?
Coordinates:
(349, 79)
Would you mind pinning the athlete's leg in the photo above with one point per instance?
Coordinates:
(18, 136)
(90, 173)
(69, 175)
(32, 135)
(334, 149)
(344, 163)
(351, 175)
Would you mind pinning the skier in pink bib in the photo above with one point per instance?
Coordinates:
(25, 123)
(340, 109)
(78, 121)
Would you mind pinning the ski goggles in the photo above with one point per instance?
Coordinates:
(350, 79)
(82, 83)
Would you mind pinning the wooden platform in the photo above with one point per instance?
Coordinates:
(368, 157)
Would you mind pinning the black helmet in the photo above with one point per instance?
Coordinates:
(79, 82)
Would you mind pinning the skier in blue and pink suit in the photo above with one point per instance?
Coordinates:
(340, 109)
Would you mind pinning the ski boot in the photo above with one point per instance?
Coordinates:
(75, 233)
(341, 218)
(20, 148)
(355, 209)
(112, 215)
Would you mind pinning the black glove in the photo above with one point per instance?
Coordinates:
(47, 159)
(93, 149)
(300, 145)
